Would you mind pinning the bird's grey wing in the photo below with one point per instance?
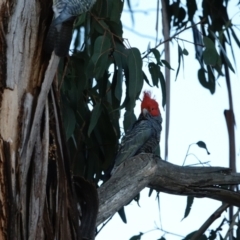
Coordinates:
(133, 141)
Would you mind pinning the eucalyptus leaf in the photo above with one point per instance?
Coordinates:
(145, 78)
(208, 43)
(163, 87)
(69, 121)
(180, 57)
(100, 55)
(210, 84)
(223, 52)
(188, 208)
(210, 56)
(94, 117)
(122, 214)
(156, 54)
(185, 51)
(137, 237)
(153, 69)
(202, 144)
(166, 63)
(135, 81)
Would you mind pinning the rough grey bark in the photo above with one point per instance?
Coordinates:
(147, 170)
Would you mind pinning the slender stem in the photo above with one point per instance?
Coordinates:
(209, 221)
(174, 36)
(103, 225)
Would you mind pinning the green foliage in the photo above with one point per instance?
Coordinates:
(96, 112)
(191, 8)
(178, 14)
(104, 76)
(93, 79)
(122, 214)
(157, 77)
(181, 53)
(99, 59)
(189, 206)
(162, 238)
(202, 144)
(136, 237)
(210, 54)
(69, 121)
(92, 89)
(190, 235)
(210, 84)
(156, 73)
(210, 42)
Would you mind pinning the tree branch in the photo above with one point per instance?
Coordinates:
(147, 170)
(174, 35)
(209, 221)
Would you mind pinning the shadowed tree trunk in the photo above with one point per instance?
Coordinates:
(39, 197)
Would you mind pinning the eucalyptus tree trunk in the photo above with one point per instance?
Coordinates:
(36, 194)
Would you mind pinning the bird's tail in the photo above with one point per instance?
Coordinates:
(59, 39)
(49, 43)
(64, 38)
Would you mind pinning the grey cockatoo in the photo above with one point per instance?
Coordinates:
(60, 31)
(144, 135)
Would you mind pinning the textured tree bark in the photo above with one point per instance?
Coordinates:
(36, 194)
(20, 72)
(146, 170)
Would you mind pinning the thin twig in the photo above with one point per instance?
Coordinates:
(170, 38)
(171, 233)
(196, 164)
(103, 225)
(209, 221)
(230, 229)
(187, 154)
(184, 40)
(192, 154)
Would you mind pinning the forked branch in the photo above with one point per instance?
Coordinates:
(147, 170)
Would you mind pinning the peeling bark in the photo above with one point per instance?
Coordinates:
(5, 190)
(35, 185)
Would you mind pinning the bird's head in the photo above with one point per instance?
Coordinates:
(149, 105)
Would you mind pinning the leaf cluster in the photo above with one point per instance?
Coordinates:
(104, 76)
(101, 70)
(211, 41)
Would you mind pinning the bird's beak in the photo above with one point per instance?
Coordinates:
(144, 112)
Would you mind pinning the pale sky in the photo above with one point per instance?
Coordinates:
(195, 115)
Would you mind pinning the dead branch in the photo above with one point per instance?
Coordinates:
(147, 170)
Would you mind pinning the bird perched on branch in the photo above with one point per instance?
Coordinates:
(60, 31)
(144, 135)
